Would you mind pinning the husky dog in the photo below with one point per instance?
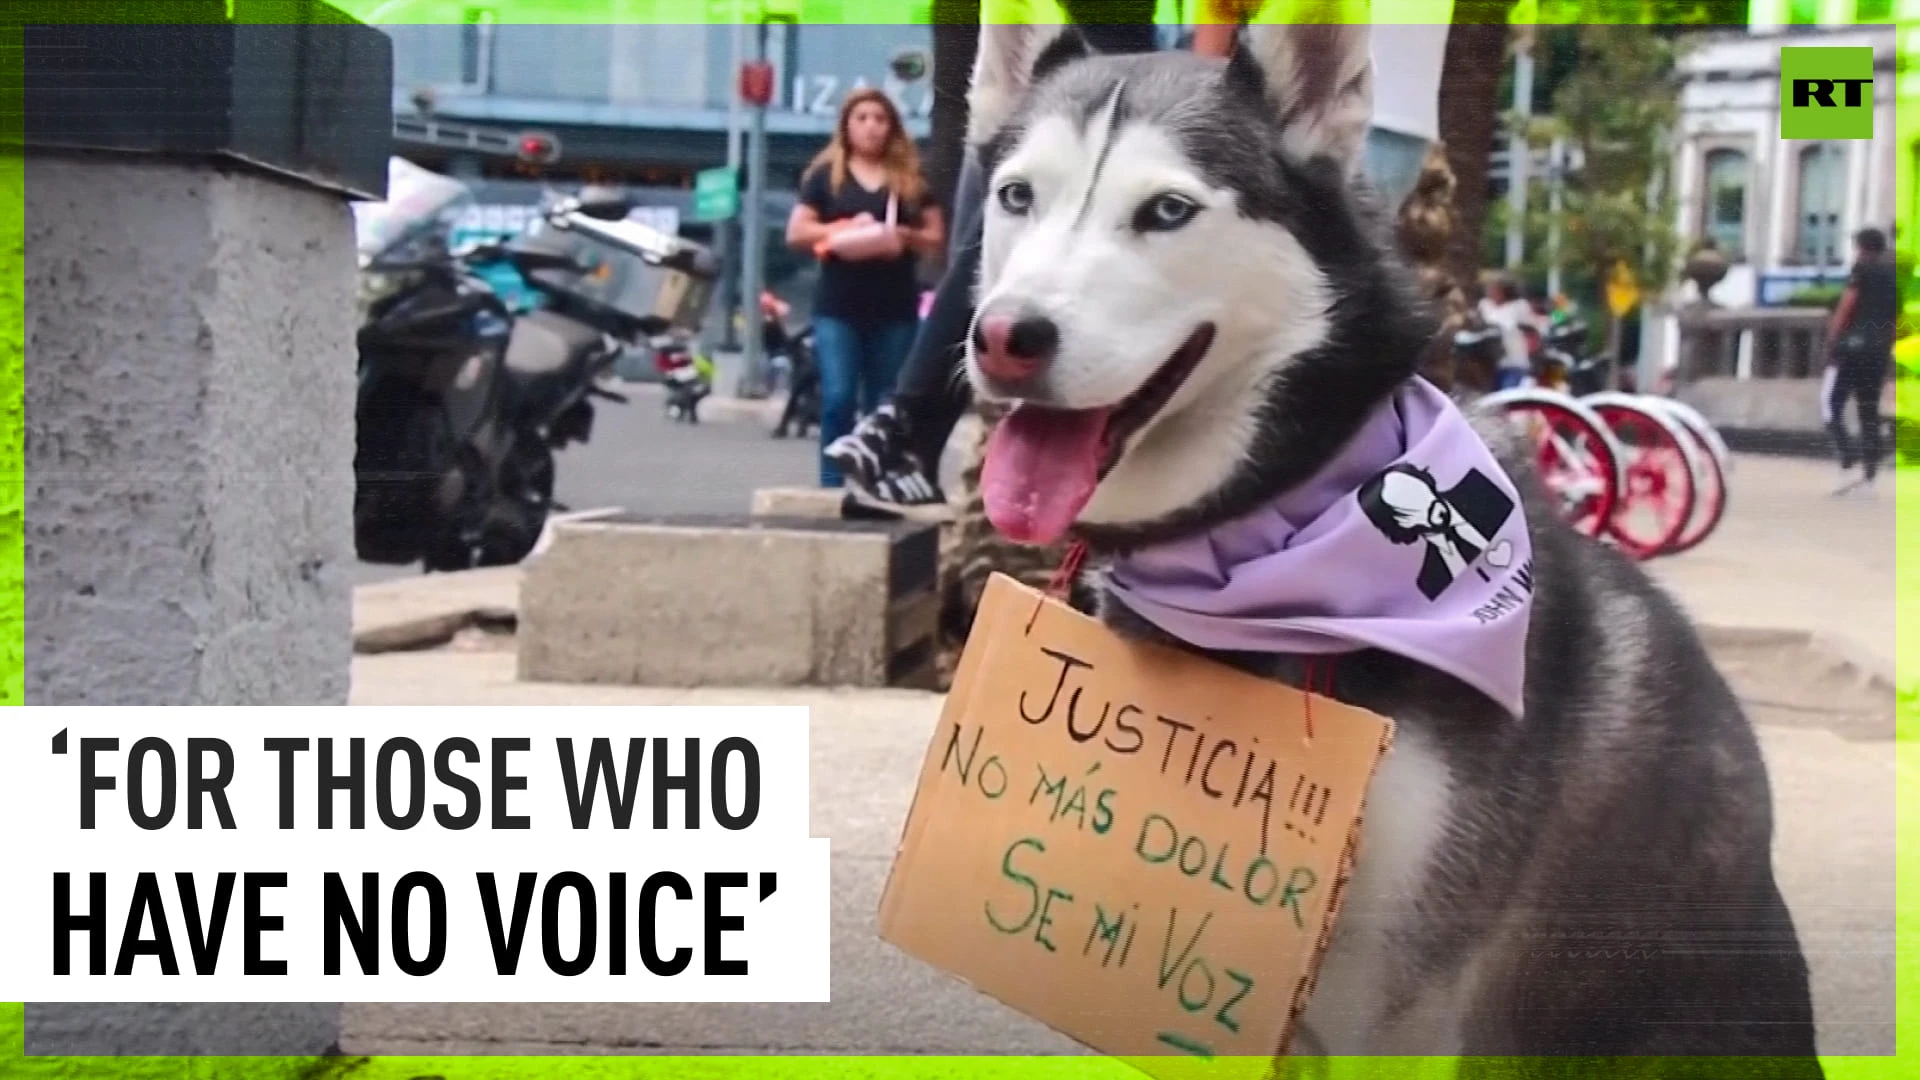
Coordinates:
(1185, 280)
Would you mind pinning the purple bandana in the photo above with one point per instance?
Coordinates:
(1412, 541)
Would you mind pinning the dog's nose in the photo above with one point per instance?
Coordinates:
(1011, 349)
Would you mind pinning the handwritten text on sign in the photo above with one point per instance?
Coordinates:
(1135, 845)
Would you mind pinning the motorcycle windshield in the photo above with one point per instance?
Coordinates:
(419, 201)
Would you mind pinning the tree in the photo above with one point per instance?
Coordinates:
(1616, 112)
(1469, 106)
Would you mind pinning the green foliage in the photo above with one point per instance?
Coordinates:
(1556, 27)
(1614, 107)
(1906, 275)
(1657, 13)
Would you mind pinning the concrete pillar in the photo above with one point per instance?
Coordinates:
(189, 442)
(190, 313)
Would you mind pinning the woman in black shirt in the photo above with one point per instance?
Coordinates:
(893, 457)
(866, 308)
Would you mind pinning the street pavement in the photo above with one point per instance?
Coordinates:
(1796, 593)
(640, 460)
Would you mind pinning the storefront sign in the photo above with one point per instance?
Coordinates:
(822, 95)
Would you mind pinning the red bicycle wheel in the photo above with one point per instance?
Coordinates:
(1711, 487)
(1575, 455)
(1660, 492)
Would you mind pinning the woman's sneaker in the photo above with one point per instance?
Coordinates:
(879, 468)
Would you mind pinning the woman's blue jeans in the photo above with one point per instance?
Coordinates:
(859, 363)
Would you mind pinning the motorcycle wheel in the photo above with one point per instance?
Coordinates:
(525, 499)
(511, 512)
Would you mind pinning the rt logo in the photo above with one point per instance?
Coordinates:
(1826, 93)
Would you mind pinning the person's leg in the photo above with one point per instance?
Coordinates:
(928, 395)
(887, 347)
(1837, 394)
(836, 348)
(878, 366)
(969, 207)
(902, 482)
(1866, 388)
(868, 388)
(896, 452)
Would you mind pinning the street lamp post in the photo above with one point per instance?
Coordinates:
(1556, 201)
(726, 233)
(1519, 153)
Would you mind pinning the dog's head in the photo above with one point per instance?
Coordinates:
(1185, 287)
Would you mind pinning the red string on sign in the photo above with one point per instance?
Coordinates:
(1306, 695)
(1308, 690)
(1061, 583)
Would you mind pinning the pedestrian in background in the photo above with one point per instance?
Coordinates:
(1503, 307)
(865, 210)
(1859, 354)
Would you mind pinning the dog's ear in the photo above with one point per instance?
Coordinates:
(1017, 49)
(1317, 70)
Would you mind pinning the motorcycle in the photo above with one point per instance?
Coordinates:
(462, 401)
(793, 352)
(687, 376)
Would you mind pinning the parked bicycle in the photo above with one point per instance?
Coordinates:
(1644, 472)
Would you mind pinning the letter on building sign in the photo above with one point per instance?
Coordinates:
(821, 95)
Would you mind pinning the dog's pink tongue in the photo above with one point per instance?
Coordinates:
(1042, 466)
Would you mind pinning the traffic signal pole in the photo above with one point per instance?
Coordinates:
(753, 230)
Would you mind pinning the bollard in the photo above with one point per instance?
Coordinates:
(190, 286)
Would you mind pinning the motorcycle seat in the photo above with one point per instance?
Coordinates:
(546, 344)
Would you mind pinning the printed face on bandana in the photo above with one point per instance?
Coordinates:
(1457, 526)
(1416, 507)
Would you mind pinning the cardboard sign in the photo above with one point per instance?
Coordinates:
(1135, 845)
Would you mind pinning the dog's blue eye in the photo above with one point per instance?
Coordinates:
(1016, 196)
(1164, 213)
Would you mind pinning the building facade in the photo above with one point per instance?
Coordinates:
(642, 104)
(1782, 211)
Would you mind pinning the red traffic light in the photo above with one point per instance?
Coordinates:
(539, 148)
(756, 82)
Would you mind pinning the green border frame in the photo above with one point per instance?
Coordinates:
(13, 1062)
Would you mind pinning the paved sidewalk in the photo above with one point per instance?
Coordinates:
(1789, 570)
(1789, 555)
(1834, 801)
